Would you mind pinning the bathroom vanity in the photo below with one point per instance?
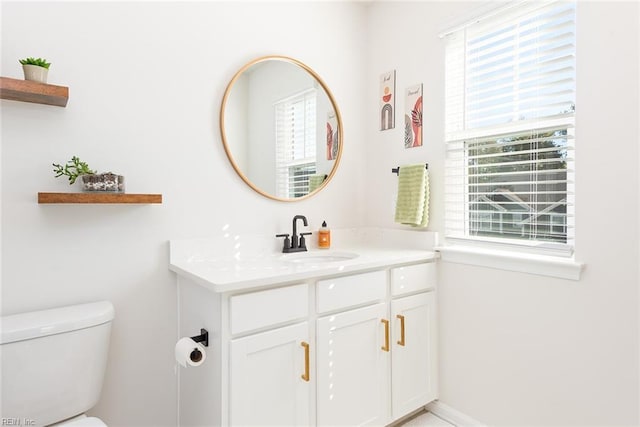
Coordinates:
(344, 336)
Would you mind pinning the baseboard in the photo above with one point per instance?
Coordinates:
(451, 415)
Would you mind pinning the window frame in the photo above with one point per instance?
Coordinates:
(533, 256)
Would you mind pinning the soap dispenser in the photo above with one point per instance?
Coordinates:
(324, 236)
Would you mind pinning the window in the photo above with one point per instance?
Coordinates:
(295, 144)
(510, 103)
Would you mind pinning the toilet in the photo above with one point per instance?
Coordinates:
(53, 363)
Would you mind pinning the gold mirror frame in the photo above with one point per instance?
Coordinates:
(335, 109)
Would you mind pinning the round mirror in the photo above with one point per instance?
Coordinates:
(281, 128)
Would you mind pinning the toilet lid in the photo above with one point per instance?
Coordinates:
(86, 422)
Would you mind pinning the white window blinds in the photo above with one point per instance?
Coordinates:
(295, 144)
(510, 101)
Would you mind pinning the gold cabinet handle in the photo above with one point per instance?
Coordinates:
(385, 347)
(305, 376)
(401, 341)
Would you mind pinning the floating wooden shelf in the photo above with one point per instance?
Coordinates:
(28, 91)
(99, 198)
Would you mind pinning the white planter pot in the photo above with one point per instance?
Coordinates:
(35, 73)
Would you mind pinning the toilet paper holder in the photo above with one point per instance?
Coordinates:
(203, 337)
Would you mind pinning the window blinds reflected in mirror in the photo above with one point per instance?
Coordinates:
(296, 119)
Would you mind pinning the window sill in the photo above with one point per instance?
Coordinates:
(543, 265)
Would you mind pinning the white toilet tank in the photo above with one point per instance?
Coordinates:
(53, 362)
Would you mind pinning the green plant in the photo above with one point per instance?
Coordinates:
(35, 61)
(73, 169)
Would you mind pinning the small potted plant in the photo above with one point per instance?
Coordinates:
(91, 181)
(35, 69)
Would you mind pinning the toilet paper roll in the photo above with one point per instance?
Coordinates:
(189, 352)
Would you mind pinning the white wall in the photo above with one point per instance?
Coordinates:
(516, 349)
(519, 349)
(146, 81)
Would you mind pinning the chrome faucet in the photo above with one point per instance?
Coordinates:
(296, 243)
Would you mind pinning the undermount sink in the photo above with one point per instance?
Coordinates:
(318, 258)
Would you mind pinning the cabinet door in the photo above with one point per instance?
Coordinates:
(413, 371)
(352, 368)
(265, 381)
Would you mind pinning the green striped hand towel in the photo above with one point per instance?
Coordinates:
(412, 206)
(315, 181)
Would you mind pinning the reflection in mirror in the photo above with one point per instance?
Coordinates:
(281, 128)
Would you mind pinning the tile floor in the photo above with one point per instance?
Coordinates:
(426, 419)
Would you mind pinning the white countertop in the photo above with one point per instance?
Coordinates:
(226, 265)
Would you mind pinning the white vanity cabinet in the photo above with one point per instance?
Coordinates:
(376, 364)
(266, 378)
(269, 371)
(413, 364)
(352, 370)
(355, 348)
(414, 337)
